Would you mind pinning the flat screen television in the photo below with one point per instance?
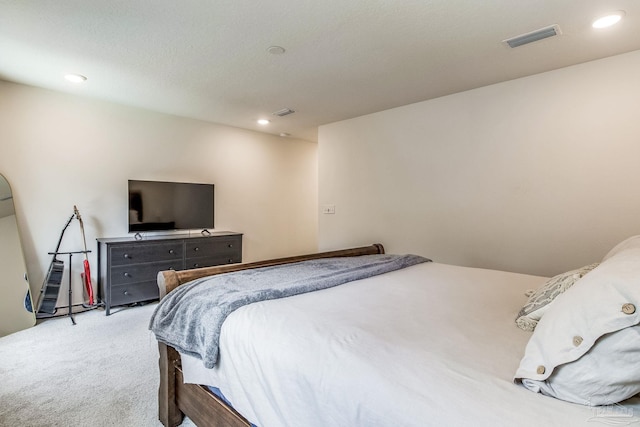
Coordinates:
(158, 206)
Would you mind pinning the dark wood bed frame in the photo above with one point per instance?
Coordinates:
(176, 399)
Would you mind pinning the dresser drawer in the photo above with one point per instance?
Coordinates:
(142, 272)
(129, 294)
(210, 261)
(140, 253)
(231, 245)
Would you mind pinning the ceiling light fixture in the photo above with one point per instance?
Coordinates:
(75, 78)
(263, 122)
(608, 20)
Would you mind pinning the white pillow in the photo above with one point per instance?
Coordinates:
(538, 303)
(603, 307)
(575, 382)
(631, 242)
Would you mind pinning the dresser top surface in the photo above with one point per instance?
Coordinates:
(158, 238)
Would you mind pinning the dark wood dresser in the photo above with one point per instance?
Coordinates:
(128, 267)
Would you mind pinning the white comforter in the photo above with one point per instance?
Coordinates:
(429, 345)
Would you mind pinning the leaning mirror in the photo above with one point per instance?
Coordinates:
(14, 288)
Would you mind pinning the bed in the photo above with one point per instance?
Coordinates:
(426, 344)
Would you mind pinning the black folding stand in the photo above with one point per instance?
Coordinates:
(70, 314)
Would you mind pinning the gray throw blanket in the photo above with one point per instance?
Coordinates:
(190, 317)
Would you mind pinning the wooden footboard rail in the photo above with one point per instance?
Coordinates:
(168, 280)
(176, 399)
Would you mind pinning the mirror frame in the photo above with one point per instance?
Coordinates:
(16, 303)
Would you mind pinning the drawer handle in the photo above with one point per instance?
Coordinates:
(196, 249)
(126, 274)
(196, 265)
(230, 261)
(126, 293)
(230, 245)
(171, 251)
(127, 256)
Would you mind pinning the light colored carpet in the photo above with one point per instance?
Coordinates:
(101, 372)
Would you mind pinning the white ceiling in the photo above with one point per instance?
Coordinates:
(208, 59)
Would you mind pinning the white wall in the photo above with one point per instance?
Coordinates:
(535, 175)
(61, 150)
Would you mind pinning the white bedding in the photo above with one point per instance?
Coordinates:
(431, 344)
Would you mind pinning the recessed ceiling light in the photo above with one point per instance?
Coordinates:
(263, 122)
(75, 78)
(608, 20)
(275, 50)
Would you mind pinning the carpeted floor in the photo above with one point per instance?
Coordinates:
(100, 372)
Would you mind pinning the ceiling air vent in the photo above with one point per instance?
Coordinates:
(284, 112)
(533, 36)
